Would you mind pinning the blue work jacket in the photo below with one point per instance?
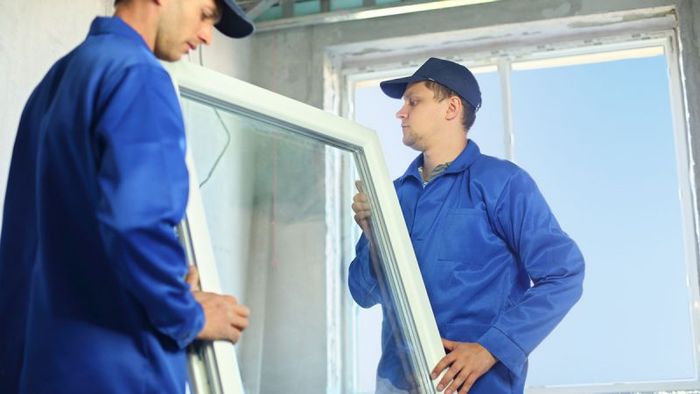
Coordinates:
(482, 232)
(92, 290)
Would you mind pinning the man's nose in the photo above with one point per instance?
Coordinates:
(206, 34)
(401, 113)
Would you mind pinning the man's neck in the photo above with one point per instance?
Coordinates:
(142, 17)
(446, 152)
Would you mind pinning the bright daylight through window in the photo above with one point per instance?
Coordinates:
(597, 133)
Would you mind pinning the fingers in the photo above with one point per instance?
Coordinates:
(192, 278)
(468, 383)
(362, 211)
(449, 376)
(233, 335)
(224, 317)
(361, 207)
(360, 203)
(459, 381)
(239, 317)
(238, 322)
(241, 310)
(441, 365)
(465, 363)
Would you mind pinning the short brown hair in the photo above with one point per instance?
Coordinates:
(440, 92)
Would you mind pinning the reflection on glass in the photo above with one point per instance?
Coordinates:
(266, 192)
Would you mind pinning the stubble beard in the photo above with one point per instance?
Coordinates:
(410, 140)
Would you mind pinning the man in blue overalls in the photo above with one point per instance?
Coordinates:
(93, 295)
(499, 271)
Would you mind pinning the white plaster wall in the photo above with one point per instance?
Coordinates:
(35, 34)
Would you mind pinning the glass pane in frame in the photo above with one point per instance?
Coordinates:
(260, 170)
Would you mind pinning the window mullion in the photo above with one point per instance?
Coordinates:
(505, 71)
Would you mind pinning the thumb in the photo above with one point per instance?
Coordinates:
(192, 278)
(449, 345)
(360, 186)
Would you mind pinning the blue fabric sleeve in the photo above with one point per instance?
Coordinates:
(551, 259)
(143, 186)
(361, 278)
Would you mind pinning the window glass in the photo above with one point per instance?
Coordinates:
(598, 139)
(488, 130)
(266, 191)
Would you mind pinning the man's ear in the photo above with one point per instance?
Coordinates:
(454, 108)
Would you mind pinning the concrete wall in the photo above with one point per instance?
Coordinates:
(37, 33)
(293, 61)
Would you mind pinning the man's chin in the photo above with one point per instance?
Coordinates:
(169, 57)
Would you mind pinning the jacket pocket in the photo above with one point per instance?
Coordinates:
(463, 234)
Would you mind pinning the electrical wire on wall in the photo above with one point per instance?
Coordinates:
(223, 151)
(223, 124)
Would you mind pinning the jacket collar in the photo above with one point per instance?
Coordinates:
(115, 25)
(460, 164)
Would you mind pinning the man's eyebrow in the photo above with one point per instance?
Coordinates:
(218, 10)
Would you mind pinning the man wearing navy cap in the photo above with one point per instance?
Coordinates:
(499, 271)
(92, 276)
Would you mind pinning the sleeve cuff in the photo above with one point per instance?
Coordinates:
(188, 335)
(361, 278)
(504, 349)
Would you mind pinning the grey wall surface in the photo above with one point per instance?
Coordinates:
(35, 35)
(291, 61)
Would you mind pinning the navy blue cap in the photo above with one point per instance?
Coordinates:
(448, 74)
(234, 21)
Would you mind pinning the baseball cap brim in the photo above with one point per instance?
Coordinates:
(234, 21)
(395, 88)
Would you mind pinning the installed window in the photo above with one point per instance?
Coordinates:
(601, 131)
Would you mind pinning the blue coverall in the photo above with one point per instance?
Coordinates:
(92, 289)
(481, 232)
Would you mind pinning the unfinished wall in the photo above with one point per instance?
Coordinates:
(37, 33)
(291, 61)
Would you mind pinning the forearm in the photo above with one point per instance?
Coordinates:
(362, 279)
(520, 328)
(151, 266)
(551, 260)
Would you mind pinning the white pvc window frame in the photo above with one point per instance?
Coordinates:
(213, 367)
(660, 30)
